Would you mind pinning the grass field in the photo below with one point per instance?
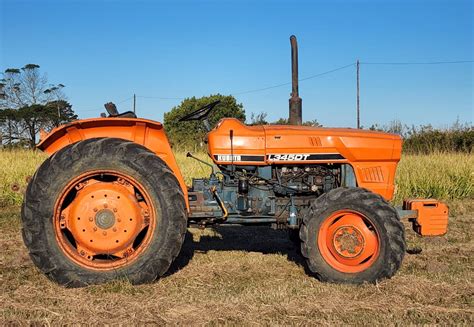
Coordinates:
(254, 275)
(447, 176)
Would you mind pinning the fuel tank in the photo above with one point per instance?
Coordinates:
(373, 155)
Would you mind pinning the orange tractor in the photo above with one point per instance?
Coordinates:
(111, 202)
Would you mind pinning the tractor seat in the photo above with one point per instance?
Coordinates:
(126, 114)
(113, 112)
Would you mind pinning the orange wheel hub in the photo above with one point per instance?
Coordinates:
(348, 241)
(103, 220)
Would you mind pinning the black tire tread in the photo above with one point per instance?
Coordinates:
(36, 211)
(395, 233)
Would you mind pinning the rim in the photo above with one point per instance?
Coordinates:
(104, 220)
(348, 241)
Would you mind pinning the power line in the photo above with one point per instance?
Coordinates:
(88, 110)
(288, 83)
(325, 73)
(262, 89)
(304, 79)
(399, 64)
(127, 99)
(161, 98)
(100, 109)
(419, 63)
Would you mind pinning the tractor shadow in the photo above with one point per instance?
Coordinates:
(260, 239)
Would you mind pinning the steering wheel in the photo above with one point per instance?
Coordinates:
(111, 109)
(202, 113)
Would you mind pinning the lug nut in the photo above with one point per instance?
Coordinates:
(104, 233)
(115, 209)
(114, 229)
(95, 229)
(105, 205)
(90, 219)
(95, 210)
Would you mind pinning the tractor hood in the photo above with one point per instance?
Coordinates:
(372, 155)
(274, 143)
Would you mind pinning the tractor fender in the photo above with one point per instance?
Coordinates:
(145, 132)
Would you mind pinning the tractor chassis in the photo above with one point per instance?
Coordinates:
(428, 217)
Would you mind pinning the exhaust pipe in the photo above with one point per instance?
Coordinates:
(295, 102)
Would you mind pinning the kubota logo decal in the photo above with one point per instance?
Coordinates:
(228, 157)
(238, 158)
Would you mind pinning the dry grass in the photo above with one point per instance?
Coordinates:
(244, 276)
(250, 275)
(446, 176)
(16, 167)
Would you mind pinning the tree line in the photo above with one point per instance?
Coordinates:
(28, 104)
(190, 134)
(425, 139)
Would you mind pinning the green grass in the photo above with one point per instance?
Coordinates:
(444, 176)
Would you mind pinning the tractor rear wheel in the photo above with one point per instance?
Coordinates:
(351, 235)
(103, 209)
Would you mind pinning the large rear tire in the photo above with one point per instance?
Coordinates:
(103, 209)
(351, 235)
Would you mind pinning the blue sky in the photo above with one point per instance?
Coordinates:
(107, 50)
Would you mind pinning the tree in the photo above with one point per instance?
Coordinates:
(26, 86)
(286, 121)
(31, 119)
(258, 119)
(28, 103)
(394, 126)
(10, 130)
(59, 112)
(191, 133)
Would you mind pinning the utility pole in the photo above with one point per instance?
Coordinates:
(134, 102)
(358, 89)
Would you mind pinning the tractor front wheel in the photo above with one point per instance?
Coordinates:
(351, 235)
(102, 209)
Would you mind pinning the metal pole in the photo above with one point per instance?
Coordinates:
(358, 89)
(295, 117)
(134, 102)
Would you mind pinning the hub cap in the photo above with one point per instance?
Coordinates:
(104, 220)
(348, 241)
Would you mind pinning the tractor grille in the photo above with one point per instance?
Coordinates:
(315, 141)
(372, 174)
